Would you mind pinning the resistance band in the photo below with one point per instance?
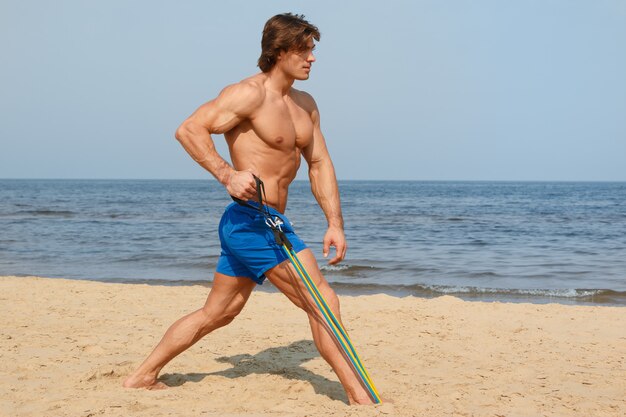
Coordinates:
(333, 323)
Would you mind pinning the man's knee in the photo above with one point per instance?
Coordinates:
(215, 319)
(226, 318)
(330, 296)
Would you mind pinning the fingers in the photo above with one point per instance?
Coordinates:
(250, 192)
(340, 246)
(344, 250)
(340, 254)
(335, 260)
(326, 248)
(243, 185)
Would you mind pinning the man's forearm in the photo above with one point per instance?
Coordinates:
(326, 192)
(199, 145)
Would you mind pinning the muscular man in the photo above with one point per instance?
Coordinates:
(268, 125)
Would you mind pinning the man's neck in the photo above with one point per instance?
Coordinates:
(279, 82)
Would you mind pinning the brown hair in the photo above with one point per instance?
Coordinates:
(284, 32)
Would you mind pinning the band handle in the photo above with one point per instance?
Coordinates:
(260, 189)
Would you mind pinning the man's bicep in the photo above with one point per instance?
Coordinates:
(234, 104)
(214, 117)
(316, 151)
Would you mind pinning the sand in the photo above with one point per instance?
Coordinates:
(66, 345)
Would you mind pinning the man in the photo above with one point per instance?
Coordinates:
(268, 126)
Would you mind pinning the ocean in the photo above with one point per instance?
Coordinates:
(535, 242)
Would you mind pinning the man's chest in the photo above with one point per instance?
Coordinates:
(283, 124)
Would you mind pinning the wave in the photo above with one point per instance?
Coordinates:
(603, 296)
(537, 296)
(172, 260)
(348, 270)
(41, 212)
(335, 268)
(485, 274)
(69, 213)
(567, 296)
(57, 213)
(166, 282)
(557, 293)
(119, 216)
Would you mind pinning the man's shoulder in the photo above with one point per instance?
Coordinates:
(255, 82)
(248, 93)
(304, 99)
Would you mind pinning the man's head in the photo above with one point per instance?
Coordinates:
(285, 33)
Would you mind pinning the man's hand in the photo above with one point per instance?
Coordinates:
(242, 185)
(335, 237)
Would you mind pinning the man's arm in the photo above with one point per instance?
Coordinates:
(234, 104)
(325, 189)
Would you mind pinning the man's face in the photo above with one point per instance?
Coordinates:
(297, 62)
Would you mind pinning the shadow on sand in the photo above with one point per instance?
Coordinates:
(285, 361)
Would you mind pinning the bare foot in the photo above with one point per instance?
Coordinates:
(147, 382)
(368, 401)
(360, 401)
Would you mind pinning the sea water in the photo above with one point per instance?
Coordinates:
(529, 241)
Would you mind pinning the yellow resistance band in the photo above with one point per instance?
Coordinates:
(336, 326)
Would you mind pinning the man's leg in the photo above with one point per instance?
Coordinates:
(226, 299)
(285, 278)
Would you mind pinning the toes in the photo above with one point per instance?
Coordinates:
(157, 386)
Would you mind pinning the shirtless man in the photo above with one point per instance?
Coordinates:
(268, 126)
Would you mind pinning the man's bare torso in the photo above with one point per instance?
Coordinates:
(271, 140)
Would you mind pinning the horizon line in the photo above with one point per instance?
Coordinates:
(306, 180)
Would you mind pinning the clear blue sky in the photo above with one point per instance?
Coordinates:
(424, 90)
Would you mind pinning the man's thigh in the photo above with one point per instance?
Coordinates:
(286, 279)
(228, 293)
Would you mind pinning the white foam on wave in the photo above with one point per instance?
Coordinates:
(334, 268)
(561, 293)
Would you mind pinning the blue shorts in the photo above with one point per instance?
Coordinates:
(248, 245)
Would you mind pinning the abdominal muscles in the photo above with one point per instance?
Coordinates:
(276, 165)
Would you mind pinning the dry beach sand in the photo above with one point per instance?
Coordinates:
(66, 345)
